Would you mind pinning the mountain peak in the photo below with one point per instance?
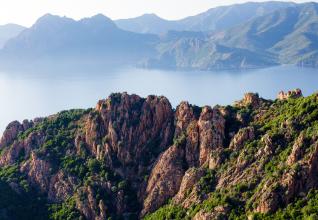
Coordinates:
(12, 25)
(99, 20)
(49, 16)
(101, 17)
(52, 19)
(150, 16)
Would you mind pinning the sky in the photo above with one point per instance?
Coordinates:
(26, 12)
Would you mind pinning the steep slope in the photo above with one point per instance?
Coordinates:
(90, 38)
(285, 36)
(225, 17)
(286, 33)
(204, 54)
(88, 163)
(291, 33)
(9, 31)
(130, 156)
(219, 18)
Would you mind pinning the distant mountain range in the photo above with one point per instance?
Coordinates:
(219, 18)
(250, 35)
(285, 36)
(9, 31)
(90, 38)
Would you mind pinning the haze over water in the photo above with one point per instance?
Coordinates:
(37, 94)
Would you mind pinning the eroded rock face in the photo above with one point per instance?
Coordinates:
(201, 134)
(219, 213)
(201, 215)
(211, 127)
(11, 133)
(269, 202)
(21, 149)
(190, 178)
(251, 99)
(184, 117)
(61, 187)
(131, 129)
(89, 207)
(186, 125)
(297, 93)
(165, 179)
(14, 128)
(163, 154)
(128, 133)
(38, 171)
(296, 181)
(243, 135)
(297, 152)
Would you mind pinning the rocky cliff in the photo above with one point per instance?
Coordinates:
(134, 158)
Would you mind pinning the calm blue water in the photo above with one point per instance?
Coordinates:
(29, 95)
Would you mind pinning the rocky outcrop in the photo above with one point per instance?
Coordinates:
(12, 131)
(184, 115)
(127, 127)
(296, 181)
(165, 179)
(249, 99)
(290, 94)
(89, 207)
(188, 193)
(198, 135)
(220, 212)
(39, 172)
(130, 155)
(211, 127)
(201, 215)
(297, 151)
(21, 149)
(242, 136)
(14, 128)
(186, 125)
(61, 187)
(269, 200)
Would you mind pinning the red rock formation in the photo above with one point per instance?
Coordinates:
(165, 179)
(38, 171)
(90, 208)
(186, 124)
(249, 99)
(61, 187)
(241, 137)
(128, 127)
(211, 127)
(190, 178)
(290, 94)
(201, 136)
(137, 137)
(10, 133)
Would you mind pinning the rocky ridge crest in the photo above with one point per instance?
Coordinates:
(129, 156)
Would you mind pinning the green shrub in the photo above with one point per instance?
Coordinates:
(168, 212)
(94, 165)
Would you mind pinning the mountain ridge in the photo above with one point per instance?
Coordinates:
(273, 33)
(9, 31)
(138, 158)
(95, 38)
(285, 36)
(205, 21)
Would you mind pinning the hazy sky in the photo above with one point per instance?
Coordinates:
(25, 12)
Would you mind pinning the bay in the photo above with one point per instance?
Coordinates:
(26, 95)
